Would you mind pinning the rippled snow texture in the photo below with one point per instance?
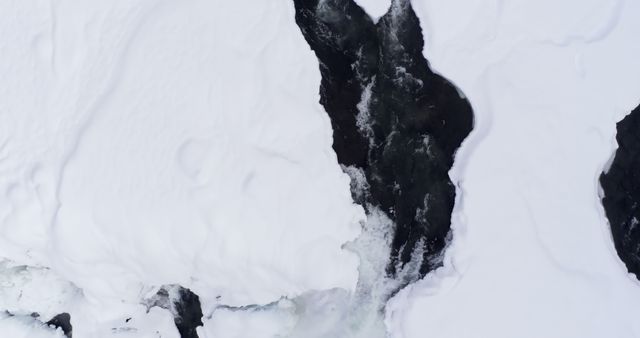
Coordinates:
(145, 143)
(153, 142)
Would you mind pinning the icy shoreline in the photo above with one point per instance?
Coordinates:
(531, 244)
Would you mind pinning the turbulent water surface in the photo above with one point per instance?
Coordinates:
(397, 125)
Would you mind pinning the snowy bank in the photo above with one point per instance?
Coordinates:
(153, 142)
(532, 253)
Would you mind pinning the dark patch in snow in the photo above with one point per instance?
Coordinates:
(183, 304)
(621, 188)
(62, 321)
(188, 313)
(393, 119)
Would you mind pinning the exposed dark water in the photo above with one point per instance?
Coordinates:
(63, 321)
(394, 120)
(621, 187)
(188, 313)
(183, 304)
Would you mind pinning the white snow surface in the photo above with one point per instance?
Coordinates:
(26, 327)
(145, 143)
(375, 8)
(532, 254)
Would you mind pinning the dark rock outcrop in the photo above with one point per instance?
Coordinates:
(188, 313)
(60, 321)
(183, 304)
(63, 321)
(621, 188)
(394, 120)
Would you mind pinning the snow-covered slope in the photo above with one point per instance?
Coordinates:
(532, 254)
(148, 143)
(26, 327)
(155, 142)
